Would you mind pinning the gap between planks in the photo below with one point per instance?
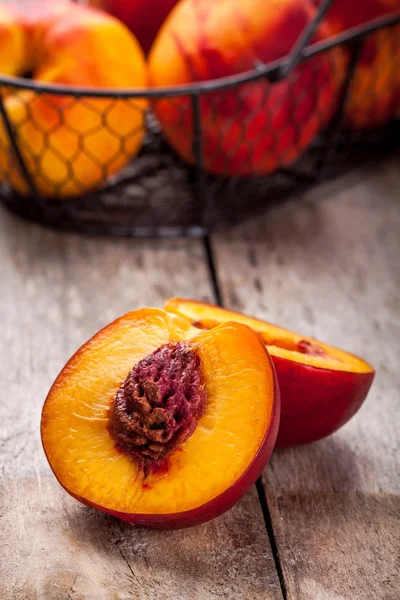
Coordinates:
(216, 288)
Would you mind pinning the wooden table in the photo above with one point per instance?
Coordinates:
(324, 522)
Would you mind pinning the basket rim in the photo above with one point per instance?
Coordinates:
(273, 71)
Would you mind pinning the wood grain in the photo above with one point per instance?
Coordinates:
(328, 265)
(57, 290)
(65, 550)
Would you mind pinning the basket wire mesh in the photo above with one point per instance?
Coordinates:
(157, 193)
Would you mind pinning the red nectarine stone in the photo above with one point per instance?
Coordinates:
(158, 406)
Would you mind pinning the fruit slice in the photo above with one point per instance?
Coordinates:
(321, 387)
(160, 424)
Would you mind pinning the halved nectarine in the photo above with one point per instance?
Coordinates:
(321, 387)
(160, 424)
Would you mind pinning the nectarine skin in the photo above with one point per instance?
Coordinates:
(70, 145)
(374, 95)
(321, 387)
(255, 128)
(12, 51)
(143, 17)
(316, 402)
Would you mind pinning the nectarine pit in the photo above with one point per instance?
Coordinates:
(306, 347)
(158, 406)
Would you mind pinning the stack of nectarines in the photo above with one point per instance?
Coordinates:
(166, 418)
(258, 127)
(71, 144)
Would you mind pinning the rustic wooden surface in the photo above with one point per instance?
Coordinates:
(56, 292)
(327, 265)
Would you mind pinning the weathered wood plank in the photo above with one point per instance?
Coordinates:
(57, 290)
(328, 265)
(68, 551)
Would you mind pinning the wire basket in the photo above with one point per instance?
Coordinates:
(157, 194)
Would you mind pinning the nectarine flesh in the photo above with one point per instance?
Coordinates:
(321, 386)
(159, 423)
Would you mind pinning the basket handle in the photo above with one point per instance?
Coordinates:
(305, 36)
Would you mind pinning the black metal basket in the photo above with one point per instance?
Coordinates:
(158, 194)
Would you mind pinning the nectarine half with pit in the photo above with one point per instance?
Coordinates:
(70, 144)
(161, 424)
(321, 386)
(256, 127)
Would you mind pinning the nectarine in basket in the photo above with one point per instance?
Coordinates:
(256, 127)
(143, 17)
(161, 424)
(374, 95)
(70, 144)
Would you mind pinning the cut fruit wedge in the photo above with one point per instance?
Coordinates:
(321, 386)
(160, 424)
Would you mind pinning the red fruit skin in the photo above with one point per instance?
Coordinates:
(374, 95)
(259, 127)
(217, 506)
(143, 17)
(316, 402)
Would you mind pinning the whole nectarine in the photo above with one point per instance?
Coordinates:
(256, 127)
(321, 387)
(143, 17)
(70, 144)
(374, 95)
(160, 424)
(12, 50)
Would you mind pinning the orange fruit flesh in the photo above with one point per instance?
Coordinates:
(239, 385)
(279, 341)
